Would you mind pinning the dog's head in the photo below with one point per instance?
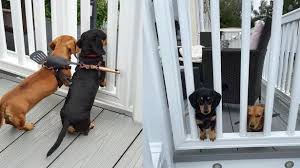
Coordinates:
(205, 100)
(256, 117)
(92, 42)
(64, 46)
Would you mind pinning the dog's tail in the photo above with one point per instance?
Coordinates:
(60, 138)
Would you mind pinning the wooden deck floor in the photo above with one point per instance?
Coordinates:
(116, 141)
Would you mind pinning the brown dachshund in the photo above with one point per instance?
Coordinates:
(255, 118)
(17, 102)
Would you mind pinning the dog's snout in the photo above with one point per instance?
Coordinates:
(251, 125)
(206, 109)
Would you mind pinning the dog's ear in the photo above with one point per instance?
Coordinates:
(193, 99)
(72, 46)
(79, 43)
(53, 43)
(216, 99)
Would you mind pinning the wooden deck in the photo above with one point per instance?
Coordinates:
(116, 141)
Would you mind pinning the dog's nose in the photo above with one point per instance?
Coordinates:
(251, 126)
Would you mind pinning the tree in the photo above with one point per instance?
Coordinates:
(230, 13)
(290, 5)
(263, 11)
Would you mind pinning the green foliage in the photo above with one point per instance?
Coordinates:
(230, 13)
(101, 13)
(290, 5)
(263, 11)
(5, 4)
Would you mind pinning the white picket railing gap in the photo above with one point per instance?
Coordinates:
(64, 21)
(185, 138)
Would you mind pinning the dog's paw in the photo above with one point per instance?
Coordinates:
(28, 126)
(212, 135)
(92, 125)
(71, 130)
(203, 137)
(103, 83)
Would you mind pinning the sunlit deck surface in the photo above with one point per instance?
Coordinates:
(116, 141)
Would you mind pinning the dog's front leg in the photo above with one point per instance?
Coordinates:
(212, 130)
(202, 134)
(28, 126)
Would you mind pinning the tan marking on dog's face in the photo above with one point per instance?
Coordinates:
(104, 43)
(205, 105)
(255, 117)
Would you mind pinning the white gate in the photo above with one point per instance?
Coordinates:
(122, 28)
(184, 138)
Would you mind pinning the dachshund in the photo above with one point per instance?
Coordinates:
(75, 114)
(16, 103)
(255, 118)
(205, 102)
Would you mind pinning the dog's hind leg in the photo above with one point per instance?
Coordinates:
(92, 125)
(71, 130)
(18, 120)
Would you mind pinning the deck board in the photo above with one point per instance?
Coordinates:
(104, 146)
(30, 149)
(133, 158)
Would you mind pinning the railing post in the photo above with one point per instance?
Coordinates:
(112, 38)
(287, 49)
(40, 25)
(216, 57)
(18, 30)
(85, 12)
(169, 57)
(30, 30)
(274, 54)
(246, 20)
(3, 46)
(295, 94)
(186, 40)
(54, 18)
(292, 56)
(285, 29)
(129, 32)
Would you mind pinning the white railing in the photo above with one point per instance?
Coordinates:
(64, 21)
(233, 36)
(185, 138)
(288, 51)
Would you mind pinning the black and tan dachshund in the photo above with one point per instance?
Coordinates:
(205, 101)
(75, 114)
